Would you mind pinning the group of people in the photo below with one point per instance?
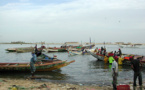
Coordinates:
(101, 51)
(115, 60)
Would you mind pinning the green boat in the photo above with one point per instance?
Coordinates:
(44, 63)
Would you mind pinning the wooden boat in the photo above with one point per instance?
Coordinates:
(21, 49)
(55, 49)
(44, 63)
(72, 53)
(128, 62)
(98, 56)
(130, 45)
(79, 52)
(11, 49)
(79, 47)
(27, 49)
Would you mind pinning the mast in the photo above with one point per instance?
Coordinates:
(90, 40)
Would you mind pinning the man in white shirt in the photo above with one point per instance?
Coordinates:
(115, 72)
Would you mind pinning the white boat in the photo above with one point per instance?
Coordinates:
(79, 52)
(130, 45)
(75, 53)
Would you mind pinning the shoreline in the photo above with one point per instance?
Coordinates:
(32, 84)
(26, 84)
(63, 43)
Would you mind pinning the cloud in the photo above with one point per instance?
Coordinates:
(24, 0)
(85, 17)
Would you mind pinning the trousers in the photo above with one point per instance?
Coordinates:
(139, 76)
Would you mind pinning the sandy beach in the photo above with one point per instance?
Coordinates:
(28, 84)
(31, 84)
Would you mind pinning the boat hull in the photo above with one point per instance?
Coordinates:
(98, 56)
(56, 50)
(46, 66)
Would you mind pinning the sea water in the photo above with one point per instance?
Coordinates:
(86, 70)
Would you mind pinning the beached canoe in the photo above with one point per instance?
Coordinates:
(21, 49)
(43, 64)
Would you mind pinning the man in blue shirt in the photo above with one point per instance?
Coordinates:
(32, 62)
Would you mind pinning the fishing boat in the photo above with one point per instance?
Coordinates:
(75, 53)
(128, 62)
(78, 47)
(44, 63)
(80, 52)
(27, 49)
(11, 49)
(55, 49)
(97, 55)
(130, 45)
(20, 50)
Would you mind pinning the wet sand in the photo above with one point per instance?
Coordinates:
(31, 84)
(27, 84)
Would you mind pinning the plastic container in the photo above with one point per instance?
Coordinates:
(127, 58)
(123, 87)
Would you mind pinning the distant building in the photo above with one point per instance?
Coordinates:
(42, 43)
(107, 43)
(71, 44)
(129, 43)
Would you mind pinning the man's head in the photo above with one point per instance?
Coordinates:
(131, 58)
(116, 58)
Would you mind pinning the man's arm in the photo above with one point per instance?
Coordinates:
(140, 64)
(132, 66)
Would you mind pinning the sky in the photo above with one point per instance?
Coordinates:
(59, 21)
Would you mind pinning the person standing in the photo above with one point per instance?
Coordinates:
(120, 60)
(115, 72)
(32, 62)
(115, 53)
(119, 52)
(136, 66)
(111, 59)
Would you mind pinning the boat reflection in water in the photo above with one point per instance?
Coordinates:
(52, 75)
